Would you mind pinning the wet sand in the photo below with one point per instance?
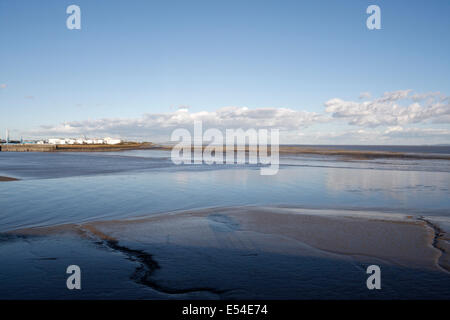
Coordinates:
(345, 154)
(397, 239)
(269, 252)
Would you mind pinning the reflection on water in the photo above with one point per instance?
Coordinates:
(399, 185)
(62, 188)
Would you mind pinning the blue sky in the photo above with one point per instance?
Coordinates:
(135, 58)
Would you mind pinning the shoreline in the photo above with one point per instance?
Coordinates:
(75, 147)
(347, 154)
(6, 179)
(283, 150)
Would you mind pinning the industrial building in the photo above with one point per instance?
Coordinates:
(107, 140)
(61, 141)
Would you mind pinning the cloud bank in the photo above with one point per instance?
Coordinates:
(398, 116)
(163, 123)
(388, 110)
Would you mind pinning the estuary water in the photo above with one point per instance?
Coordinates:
(210, 257)
(57, 188)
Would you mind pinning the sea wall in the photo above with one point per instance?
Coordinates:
(75, 147)
(27, 147)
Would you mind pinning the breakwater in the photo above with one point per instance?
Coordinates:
(75, 147)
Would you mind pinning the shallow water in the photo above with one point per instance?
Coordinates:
(77, 187)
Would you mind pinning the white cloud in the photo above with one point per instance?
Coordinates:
(150, 125)
(388, 110)
(365, 95)
(401, 132)
(392, 135)
(427, 95)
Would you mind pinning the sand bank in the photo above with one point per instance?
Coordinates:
(2, 178)
(391, 238)
(346, 154)
(233, 253)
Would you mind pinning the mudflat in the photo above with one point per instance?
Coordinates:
(257, 252)
(2, 178)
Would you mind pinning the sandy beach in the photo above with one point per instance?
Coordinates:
(237, 252)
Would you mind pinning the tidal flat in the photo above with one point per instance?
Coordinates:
(237, 253)
(140, 227)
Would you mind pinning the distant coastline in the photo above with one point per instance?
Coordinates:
(75, 147)
(346, 152)
(338, 151)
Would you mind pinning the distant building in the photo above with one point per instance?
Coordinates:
(80, 141)
(56, 141)
(112, 141)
